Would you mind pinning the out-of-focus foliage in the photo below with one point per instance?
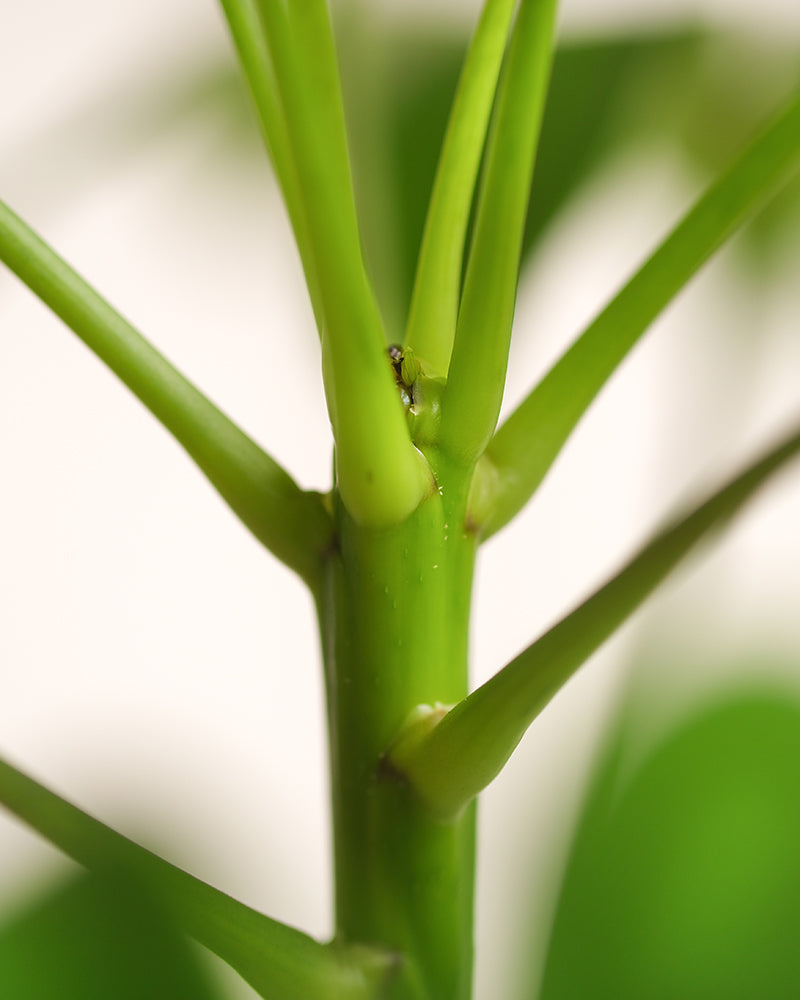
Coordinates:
(699, 94)
(684, 875)
(96, 939)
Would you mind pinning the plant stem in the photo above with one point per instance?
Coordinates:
(394, 612)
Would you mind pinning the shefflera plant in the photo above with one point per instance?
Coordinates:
(422, 477)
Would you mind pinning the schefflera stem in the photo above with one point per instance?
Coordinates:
(394, 611)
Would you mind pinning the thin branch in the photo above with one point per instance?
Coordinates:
(290, 522)
(525, 446)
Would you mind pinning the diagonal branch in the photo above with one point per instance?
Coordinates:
(449, 761)
(279, 962)
(525, 446)
(290, 522)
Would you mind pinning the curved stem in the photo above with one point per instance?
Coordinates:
(290, 522)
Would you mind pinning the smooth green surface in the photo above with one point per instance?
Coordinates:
(279, 962)
(684, 876)
(291, 523)
(474, 392)
(525, 446)
(469, 747)
(393, 615)
(437, 290)
(97, 939)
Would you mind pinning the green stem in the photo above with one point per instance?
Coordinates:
(394, 619)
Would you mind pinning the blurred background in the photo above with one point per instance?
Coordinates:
(161, 670)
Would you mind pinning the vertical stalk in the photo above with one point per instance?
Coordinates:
(394, 614)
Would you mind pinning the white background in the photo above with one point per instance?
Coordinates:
(161, 670)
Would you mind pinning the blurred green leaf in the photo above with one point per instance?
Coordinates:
(600, 103)
(684, 876)
(703, 94)
(97, 939)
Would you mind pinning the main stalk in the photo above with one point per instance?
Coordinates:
(394, 617)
